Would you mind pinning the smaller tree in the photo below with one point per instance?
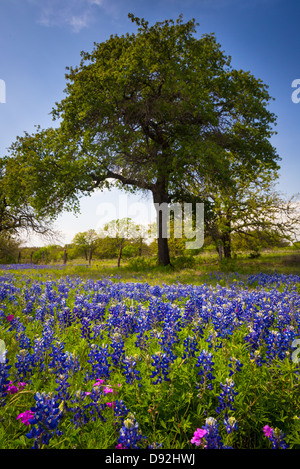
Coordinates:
(122, 230)
(245, 203)
(86, 242)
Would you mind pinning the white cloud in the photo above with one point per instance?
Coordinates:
(79, 22)
(96, 2)
(75, 14)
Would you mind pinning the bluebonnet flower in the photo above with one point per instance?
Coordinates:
(29, 306)
(38, 353)
(278, 344)
(162, 363)
(40, 313)
(87, 406)
(117, 344)
(234, 366)
(227, 395)
(86, 331)
(144, 325)
(65, 317)
(212, 438)
(230, 424)
(78, 411)
(24, 341)
(97, 330)
(4, 380)
(206, 365)
(24, 364)
(192, 309)
(56, 356)
(276, 436)
(48, 334)
(47, 416)
(120, 410)
(156, 291)
(190, 347)
(130, 433)
(99, 360)
(198, 327)
(213, 339)
(130, 371)
(62, 361)
(62, 389)
(3, 308)
(97, 406)
(257, 357)
(63, 288)
(155, 445)
(254, 337)
(15, 323)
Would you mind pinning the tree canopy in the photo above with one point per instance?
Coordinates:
(17, 216)
(145, 109)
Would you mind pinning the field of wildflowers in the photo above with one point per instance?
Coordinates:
(109, 364)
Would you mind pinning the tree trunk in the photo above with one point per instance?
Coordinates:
(220, 251)
(226, 240)
(160, 197)
(120, 254)
(90, 256)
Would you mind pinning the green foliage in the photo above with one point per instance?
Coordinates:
(256, 240)
(182, 262)
(130, 251)
(9, 248)
(139, 264)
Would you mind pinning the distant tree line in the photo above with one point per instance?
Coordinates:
(90, 246)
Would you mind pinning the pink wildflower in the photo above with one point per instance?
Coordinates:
(107, 390)
(198, 434)
(99, 382)
(10, 317)
(12, 389)
(26, 416)
(110, 404)
(268, 431)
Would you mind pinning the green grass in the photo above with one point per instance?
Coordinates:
(282, 261)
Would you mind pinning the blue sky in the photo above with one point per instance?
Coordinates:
(39, 38)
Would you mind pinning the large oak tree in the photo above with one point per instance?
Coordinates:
(144, 110)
